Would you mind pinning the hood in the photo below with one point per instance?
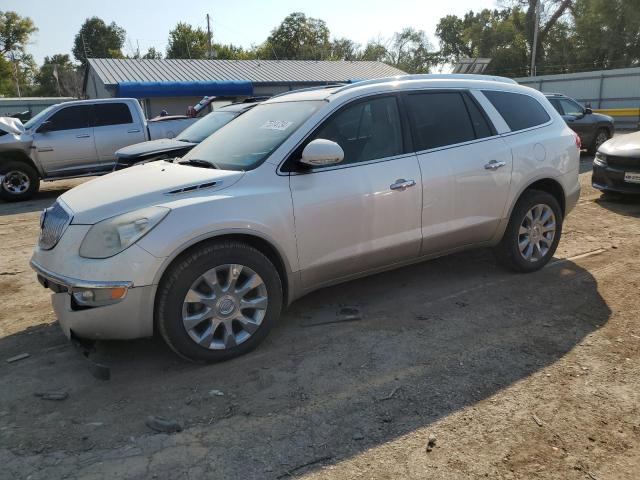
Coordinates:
(627, 145)
(11, 125)
(602, 118)
(141, 186)
(154, 147)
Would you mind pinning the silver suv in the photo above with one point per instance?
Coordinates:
(305, 190)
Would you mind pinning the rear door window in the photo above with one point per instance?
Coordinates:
(441, 118)
(111, 114)
(70, 118)
(518, 110)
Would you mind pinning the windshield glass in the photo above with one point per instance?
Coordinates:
(205, 126)
(247, 141)
(35, 119)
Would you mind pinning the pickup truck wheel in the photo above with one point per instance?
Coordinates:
(602, 136)
(217, 302)
(18, 181)
(533, 232)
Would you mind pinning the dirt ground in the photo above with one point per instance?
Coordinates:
(515, 377)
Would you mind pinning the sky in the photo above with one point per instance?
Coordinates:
(243, 22)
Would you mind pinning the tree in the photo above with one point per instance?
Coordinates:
(152, 54)
(232, 52)
(410, 51)
(344, 49)
(96, 39)
(188, 42)
(14, 32)
(375, 51)
(58, 77)
(298, 37)
(16, 67)
(606, 33)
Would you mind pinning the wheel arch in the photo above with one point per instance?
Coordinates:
(19, 156)
(257, 241)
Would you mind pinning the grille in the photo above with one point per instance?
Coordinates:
(632, 162)
(56, 219)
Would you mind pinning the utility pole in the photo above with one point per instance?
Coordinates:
(534, 46)
(209, 37)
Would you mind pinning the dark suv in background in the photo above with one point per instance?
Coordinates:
(593, 128)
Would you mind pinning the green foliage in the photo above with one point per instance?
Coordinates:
(298, 37)
(410, 51)
(152, 54)
(98, 40)
(68, 82)
(188, 42)
(17, 68)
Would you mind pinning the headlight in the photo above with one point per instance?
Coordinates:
(600, 159)
(111, 236)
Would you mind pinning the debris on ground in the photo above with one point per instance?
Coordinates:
(163, 425)
(216, 393)
(537, 420)
(345, 314)
(358, 436)
(16, 358)
(391, 395)
(55, 395)
(431, 442)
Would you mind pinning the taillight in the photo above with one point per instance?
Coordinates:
(578, 141)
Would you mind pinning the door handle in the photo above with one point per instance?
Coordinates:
(135, 130)
(84, 135)
(402, 184)
(494, 165)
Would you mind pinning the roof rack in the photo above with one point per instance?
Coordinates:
(431, 76)
(310, 89)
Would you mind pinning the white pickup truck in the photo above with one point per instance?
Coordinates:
(73, 139)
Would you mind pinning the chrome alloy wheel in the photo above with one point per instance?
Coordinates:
(537, 231)
(224, 306)
(16, 182)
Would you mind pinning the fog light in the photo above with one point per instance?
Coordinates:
(97, 297)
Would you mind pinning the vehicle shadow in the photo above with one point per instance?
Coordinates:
(432, 339)
(626, 205)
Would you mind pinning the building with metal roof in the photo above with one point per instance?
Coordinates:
(172, 85)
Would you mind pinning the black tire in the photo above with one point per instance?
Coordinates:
(508, 252)
(186, 270)
(17, 169)
(595, 144)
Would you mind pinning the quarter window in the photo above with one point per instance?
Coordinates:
(70, 118)
(519, 111)
(440, 119)
(368, 130)
(111, 114)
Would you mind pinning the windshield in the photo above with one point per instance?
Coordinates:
(247, 141)
(205, 126)
(40, 115)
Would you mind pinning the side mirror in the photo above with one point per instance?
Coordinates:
(588, 111)
(321, 153)
(45, 126)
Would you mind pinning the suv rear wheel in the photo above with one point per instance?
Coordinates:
(533, 232)
(18, 181)
(218, 302)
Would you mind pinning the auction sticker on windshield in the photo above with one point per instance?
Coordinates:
(276, 125)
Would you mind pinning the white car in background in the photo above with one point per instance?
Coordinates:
(308, 189)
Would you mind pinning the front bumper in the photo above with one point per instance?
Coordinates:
(609, 179)
(129, 317)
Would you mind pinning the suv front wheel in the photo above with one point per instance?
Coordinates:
(18, 181)
(533, 232)
(218, 301)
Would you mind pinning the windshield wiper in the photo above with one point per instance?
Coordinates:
(196, 162)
